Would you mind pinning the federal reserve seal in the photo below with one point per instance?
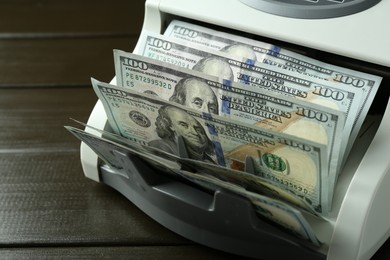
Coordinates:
(139, 118)
(275, 163)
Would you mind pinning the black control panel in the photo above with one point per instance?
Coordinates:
(311, 9)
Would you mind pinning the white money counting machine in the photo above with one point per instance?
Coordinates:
(347, 33)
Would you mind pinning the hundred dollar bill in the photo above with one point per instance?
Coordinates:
(233, 100)
(133, 144)
(271, 209)
(257, 74)
(366, 83)
(119, 156)
(289, 162)
(115, 154)
(243, 179)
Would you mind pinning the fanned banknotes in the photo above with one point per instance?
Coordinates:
(115, 154)
(274, 55)
(272, 78)
(233, 100)
(235, 114)
(243, 179)
(289, 162)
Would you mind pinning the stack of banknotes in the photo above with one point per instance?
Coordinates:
(246, 116)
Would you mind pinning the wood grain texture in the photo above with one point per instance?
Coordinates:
(46, 200)
(48, 62)
(64, 42)
(60, 18)
(32, 119)
(141, 252)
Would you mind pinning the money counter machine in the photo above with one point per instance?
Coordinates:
(347, 33)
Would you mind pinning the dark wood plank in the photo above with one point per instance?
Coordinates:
(33, 18)
(59, 62)
(156, 252)
(46, 200)
(33, 119)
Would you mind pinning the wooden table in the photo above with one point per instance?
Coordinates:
(48, 209)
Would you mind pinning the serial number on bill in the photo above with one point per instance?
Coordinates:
(140, 78)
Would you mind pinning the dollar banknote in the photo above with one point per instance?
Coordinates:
(119, 156)
(241, 178)
(234, 100)
(133, 144)
(116, 154)
(289, 162)
(202, 36)
(285, 82)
